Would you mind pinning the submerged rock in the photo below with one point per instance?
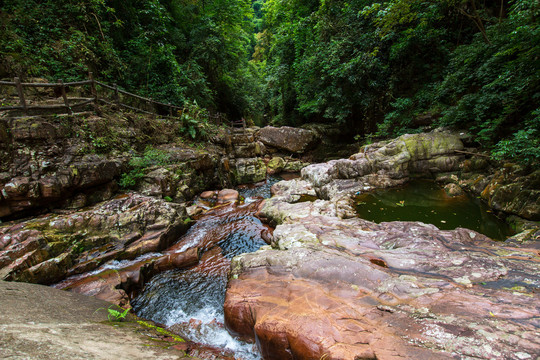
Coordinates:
(453, 190)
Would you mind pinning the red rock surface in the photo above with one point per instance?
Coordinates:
(339, 287)
(46, 250)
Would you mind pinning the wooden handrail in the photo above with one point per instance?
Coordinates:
(62, 87)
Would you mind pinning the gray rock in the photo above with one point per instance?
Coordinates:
(286, 138)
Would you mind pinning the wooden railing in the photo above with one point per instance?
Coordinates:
(68, 104)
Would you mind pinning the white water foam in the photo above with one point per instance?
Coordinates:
(193, 306)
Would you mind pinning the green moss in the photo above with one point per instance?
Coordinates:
(160, 330)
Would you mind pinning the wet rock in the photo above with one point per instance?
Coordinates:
(227, 195)
(338, 287)
(453, 190)
(46, 249)
(286, 138)
(118, 283)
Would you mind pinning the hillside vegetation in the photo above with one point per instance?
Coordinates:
(379, 68)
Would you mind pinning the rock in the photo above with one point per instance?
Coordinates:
(46, 249)
(278, 164)
(38, 322)
(386, 164)
(520, 224)
(249, 150)
(246, 171)
(453, 190)
(338, 287)
(183, 180)
(295, 140)
(275, 165)
(509, 189)
(474, 164)
(294, 165)
(115, 284)
(48, 161)
(227, 195)
(208, 195)
(341, 288)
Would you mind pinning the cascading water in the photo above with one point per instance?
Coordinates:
(190, 302)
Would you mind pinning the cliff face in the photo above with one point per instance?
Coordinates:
(73, 161)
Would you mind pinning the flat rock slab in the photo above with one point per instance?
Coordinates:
(334, 286)
(38, 322)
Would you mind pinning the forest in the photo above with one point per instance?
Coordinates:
(376, 68)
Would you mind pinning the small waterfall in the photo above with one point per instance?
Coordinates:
(190, 302)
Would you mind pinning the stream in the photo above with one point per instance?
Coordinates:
(190, 302)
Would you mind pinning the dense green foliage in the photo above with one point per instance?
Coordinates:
(388, 67)
(377, 67)
(171, 50)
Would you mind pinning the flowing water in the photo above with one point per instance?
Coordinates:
(190, 302)
(427, 202)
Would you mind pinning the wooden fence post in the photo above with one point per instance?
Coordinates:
(170, 110)
(21, 94)
(116, 95)
(93, 88)
(64, 96)
(151, 107)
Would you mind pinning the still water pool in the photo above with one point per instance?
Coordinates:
(427, 202)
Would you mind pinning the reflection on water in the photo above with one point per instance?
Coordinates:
(427, 202)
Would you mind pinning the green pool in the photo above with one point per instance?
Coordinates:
(426, 201)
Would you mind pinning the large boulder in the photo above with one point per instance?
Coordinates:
(387, 163)
(289, 139)
(334, 287)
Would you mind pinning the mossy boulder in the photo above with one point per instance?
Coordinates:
(275, 165)
(245, 171)
(47, 249)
